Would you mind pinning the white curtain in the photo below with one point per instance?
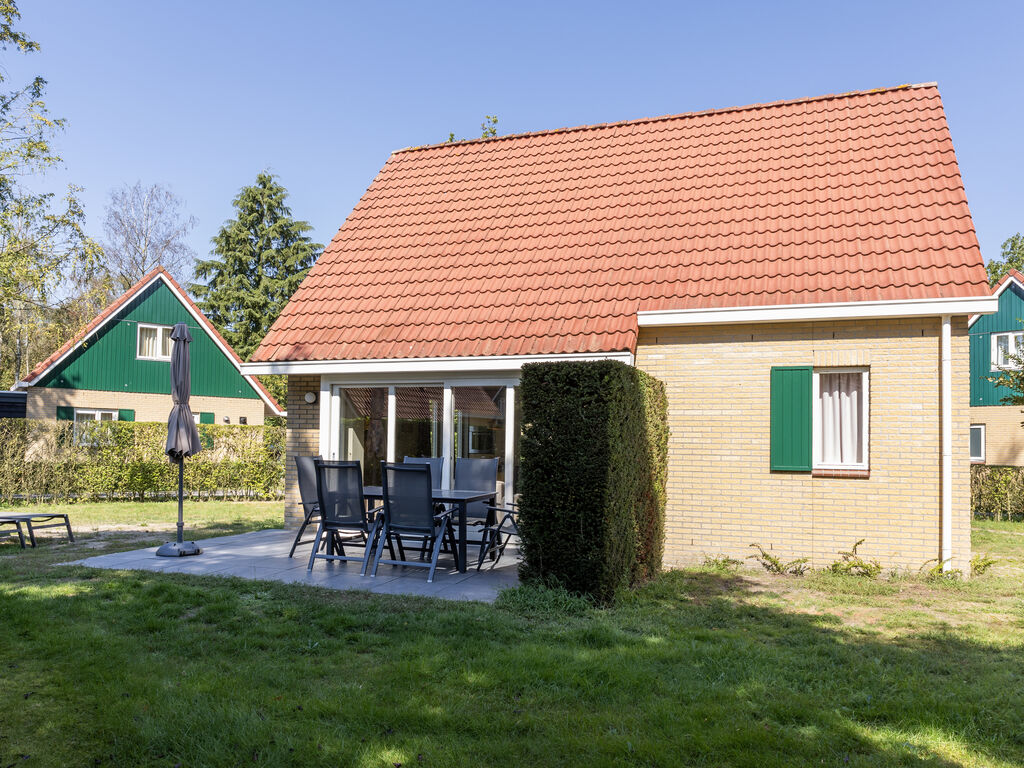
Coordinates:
(840, 403)
(147, 342)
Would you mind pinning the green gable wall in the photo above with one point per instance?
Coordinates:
(107, 360)
(1008, 318)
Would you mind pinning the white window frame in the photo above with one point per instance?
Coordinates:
(865, 405)
(995, 349)
(984, 434)
(330, 410)
(95, 413)
(159, 329)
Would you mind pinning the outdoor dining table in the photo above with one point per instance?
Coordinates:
(461, 499)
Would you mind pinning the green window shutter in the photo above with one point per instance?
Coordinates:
(791, 418)
(126, 414)
(205, 417)
(65, 413)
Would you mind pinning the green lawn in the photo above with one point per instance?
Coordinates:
(698, 668)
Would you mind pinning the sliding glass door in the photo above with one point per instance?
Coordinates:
(362, 429)
(452, 421)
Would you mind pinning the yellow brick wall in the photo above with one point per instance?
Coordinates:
(42, 402)
(722, 495)
(303, 440)
(1004, 435)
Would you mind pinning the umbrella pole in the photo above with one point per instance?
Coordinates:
(181, 495)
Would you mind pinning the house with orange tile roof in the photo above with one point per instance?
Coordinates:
(800, 274)
(117, 368)
(997, 434)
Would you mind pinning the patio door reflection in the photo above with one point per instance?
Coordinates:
(479, 426)
(363, 435)
(419, 414)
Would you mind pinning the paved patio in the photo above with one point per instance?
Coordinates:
(264, 555)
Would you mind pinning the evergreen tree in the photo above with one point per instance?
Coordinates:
(260, 257)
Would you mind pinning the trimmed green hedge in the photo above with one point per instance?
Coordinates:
(592, 480)
(997, 493)
(47, 461)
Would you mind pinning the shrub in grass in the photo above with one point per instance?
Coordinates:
(852, 564)
(773, 564)
(981, 563)
(592, 478)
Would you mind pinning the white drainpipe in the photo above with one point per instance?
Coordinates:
(947, 444)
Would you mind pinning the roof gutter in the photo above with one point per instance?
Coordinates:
(850, 310)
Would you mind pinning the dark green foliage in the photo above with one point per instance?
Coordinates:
(997, 493)
(261, 256)
(44, 461)
(594, 456)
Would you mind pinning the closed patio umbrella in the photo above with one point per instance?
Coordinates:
(182, 435)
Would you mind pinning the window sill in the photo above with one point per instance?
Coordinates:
(861, 474)
(977, 461)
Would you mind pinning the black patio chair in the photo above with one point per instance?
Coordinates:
(435, 463)
(305, 469)
(343, 514)
(477, 475)
(409, 511)
(496, 537)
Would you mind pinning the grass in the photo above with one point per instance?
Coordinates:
(713, 666)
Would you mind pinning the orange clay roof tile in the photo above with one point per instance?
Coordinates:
(550, 242)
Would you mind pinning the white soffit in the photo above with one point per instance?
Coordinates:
(853, 310)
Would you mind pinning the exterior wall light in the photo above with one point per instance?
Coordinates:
(310, 397)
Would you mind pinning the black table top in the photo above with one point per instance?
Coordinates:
(443, 495)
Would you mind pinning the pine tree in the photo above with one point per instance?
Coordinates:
(260, 257)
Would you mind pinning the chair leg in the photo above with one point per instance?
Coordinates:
(316, 546)
(454, 544)
(371, 540)
(302, 530)
(438, 541)
(486, 543)
(384, 535)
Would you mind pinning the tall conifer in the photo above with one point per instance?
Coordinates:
(259, 259)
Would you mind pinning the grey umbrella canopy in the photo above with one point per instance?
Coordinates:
(182, 435)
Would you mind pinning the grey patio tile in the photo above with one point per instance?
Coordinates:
(264, 555)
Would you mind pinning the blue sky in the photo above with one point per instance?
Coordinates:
(201, 96)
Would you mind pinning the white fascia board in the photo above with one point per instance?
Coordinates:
(103, 323)
(424, 365)
(789, 313)
(996, 295)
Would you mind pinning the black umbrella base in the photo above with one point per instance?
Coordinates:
(176, 549)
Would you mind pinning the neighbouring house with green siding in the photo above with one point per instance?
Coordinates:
(118, 367)
(997, 436)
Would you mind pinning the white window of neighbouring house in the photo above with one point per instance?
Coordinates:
(978, 442)
(154, 342)
(85, 420)
(840, 418)
(1004, 345)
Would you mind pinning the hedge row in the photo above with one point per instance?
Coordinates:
(593, 470)
(997, 493)
(51, 461)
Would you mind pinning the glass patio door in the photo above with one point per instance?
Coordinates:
(363, 428)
